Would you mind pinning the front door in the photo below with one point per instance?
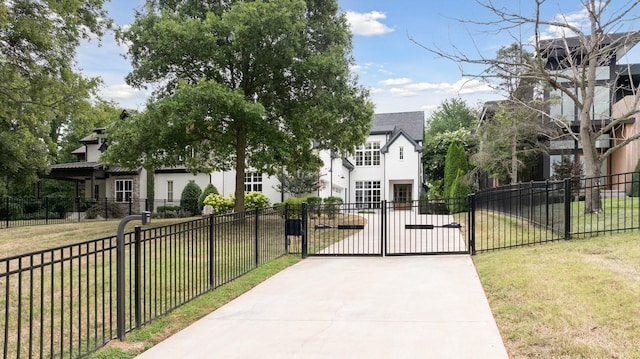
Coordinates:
(402, 196)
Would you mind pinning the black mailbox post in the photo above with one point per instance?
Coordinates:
(293, 227)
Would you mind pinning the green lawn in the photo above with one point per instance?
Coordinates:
(571, 299)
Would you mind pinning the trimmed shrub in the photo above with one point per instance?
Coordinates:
(255, 199)
(189, 199)
(458, 198)
(170, 212)
(210, 189)
(332, 206)
(315, 204)
(635, 186)
(295, 206)
(219, 203)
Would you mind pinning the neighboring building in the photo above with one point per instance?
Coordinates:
(613, 97)
(118, 184)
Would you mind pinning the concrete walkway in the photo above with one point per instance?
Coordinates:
(392, 307)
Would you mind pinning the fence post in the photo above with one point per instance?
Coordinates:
(286, 219)
(567, 208)
(257, 236)
(546, 190)
(471, 213)
(212, 252)
(138, 271)
(8, 213)
(46, 210)
(305, 232)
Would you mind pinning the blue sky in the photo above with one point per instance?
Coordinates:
(401, 75)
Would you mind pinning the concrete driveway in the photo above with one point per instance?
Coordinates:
(346, 307)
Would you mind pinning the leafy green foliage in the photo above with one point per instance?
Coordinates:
(189, 198)
(298, 183)
(332, 206)
(456, 166)
(219, 203)
(452, 115)
(315, 204)
(40, 92)
(256, 199)
(209, 189)
(243, 84)
(434, 155)
(635, 186)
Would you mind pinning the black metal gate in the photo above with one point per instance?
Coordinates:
(385, 228)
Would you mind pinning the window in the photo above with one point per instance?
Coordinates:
(124, 190)
(401, 153)
(253, 182)
(368, 154)
(96, 192)
(368, 192)
(169, 191)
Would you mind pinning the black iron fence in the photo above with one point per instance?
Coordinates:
(538, 212)
(21, 212)
(63, 302)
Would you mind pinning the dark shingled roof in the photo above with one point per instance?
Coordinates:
(76, 165)
(411, 122)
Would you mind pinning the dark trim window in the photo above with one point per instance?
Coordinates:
(169, 191)
(401, 153)
(124, 190)
(253, 182)
(368, 154)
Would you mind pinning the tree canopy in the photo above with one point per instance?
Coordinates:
(40, 90)
(452, 114)
(241, 84)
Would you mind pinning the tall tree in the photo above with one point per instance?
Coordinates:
(39, 88)
(241, 84)
(575, 58)
(451, 115)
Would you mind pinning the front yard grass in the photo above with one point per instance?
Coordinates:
(572, 299)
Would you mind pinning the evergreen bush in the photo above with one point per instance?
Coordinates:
(210, 189)
(189, 199)
(635, 186)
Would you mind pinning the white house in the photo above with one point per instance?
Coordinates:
(386, 167)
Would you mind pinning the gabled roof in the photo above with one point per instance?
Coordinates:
(411, 122)
(395, 136)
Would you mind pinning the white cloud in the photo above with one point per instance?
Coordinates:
(375, 90)
(579, 20)
(402, 92)
(367, 24)
(396, 82)
(460, 87)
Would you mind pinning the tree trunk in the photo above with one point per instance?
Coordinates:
(592, 164)
(514, 151)
(241, 156)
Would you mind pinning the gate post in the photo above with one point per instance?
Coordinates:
(305, 232)
(567, 208)
(471, 213)
(383, 228)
